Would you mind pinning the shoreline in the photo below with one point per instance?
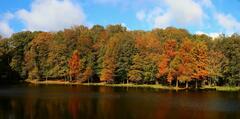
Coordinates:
(131, 85)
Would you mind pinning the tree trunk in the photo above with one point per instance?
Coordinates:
(70, 78)
(127, 81)
(176, 83)
(196, 84)
(156, 82)
(186, 84)
(210, 82)
(65, 78)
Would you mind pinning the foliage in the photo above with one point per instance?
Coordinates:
(168, 56)
(74, 64)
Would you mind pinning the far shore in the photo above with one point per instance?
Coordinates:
(154, 86)
(61, 82)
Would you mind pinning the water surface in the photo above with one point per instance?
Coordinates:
(99, 102)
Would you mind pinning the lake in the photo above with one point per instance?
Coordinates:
(99, 102)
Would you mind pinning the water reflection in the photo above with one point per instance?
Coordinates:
(90, 102)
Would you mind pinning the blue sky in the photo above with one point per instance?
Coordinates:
(210, 17)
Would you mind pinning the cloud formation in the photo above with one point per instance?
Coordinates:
(213, 34)
(5, 29)
(228, 22)
(51, 15)
(182, 13)
(107, 1)
(207, 3)
(141, 15)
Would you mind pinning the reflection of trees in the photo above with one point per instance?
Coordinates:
(113, 103)
(163, 107)
(106, 103)
(33, 105)
(31, 108)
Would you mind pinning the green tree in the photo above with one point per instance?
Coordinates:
(18, 43)
(230, 48)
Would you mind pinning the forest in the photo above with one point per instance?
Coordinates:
(114, 54)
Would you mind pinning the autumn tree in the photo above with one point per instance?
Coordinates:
(87, 74)
(164, 67)
(113, 53)
(19, 42)
(58, 53)
(74, 64)
(183, 62)
(109, 61)
(173, 33)
(108, 71)
(200, 62)
(124, 56)
(135, 74)
(114, 29)
(216, 67)
(36, 56)
(148, 47)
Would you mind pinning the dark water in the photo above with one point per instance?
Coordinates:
(92, 102)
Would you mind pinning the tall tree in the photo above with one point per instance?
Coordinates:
(58, 53)
(19, 42)
(36, 56)
(108, 71)
(164, 67)
(136, 73)
(74, 64)
(183, 62)
(217, 65)
(230, 47)
(200, 62)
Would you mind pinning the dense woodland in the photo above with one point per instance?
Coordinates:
(114, 54)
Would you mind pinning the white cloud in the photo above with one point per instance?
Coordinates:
(228, 22)
(207, 3)
(51, 15)
(5, 29)
(185, 12)
(182, 13)
(163, 21)
(106, 1)
(213, 34)
(125, 25)
(141, 15)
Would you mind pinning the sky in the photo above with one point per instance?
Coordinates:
(211, 17)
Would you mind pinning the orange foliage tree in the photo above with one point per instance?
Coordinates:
(200, 62)
(183, 60)
(87, 74)
(74, 64)
(109, 66)
(169, 52)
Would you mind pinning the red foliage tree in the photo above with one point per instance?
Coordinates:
(169, 52)
(74, 64)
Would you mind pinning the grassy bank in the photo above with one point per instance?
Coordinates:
(221, 88)
(159, 86)
(105, 84)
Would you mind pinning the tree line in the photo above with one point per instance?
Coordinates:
(113, 54)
